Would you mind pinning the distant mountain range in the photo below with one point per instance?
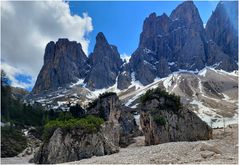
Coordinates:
(167, 44)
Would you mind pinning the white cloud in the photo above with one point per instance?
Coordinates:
(126, 57)
(28, 26)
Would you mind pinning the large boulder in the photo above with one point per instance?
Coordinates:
(163, 119)
(75, 144)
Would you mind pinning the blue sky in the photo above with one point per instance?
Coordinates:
(122, 22)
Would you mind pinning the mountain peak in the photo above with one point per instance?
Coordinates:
(164, 15)
(64, 40)
(188, 13)
(100, 38)
(152, 15)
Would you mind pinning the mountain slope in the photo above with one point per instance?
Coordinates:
(211, 93)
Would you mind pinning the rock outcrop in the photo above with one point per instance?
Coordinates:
(74, 145)
(163, 119)
(109, 107)
(105, 64)
(64, 63)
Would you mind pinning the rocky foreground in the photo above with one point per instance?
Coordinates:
(223, 149)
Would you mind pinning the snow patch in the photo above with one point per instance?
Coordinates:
(94, 94)
(147, 51)
(168, 82)
(171, 63)
(79, 82)
(202, 72)
(125, 57)
(187, 71)
(135, 82)
(212, 118)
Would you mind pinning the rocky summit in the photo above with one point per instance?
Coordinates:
(64, 62)
(105, 64)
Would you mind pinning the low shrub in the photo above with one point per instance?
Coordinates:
(89, 123)
(92, 104)
(106, 94)
(159, 120)
(171, 100)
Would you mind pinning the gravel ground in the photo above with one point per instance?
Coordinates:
(223, 149)
(16, 160)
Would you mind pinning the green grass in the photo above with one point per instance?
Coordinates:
(89, 124)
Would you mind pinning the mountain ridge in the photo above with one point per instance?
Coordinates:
(167, 44)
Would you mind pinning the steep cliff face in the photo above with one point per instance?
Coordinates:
(222, 27)
(105, 64)
(163, 119)
(64, 63)
(217, 58)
